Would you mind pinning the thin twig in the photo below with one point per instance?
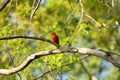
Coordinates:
(51, 73)
(113, 3)
(81, 17)
(60, 74)
(42, 75)
(72, 12)
(92, 18)
(9, 6)
(33, 5)
(4, 5)
(45, 66)
(13, 64)
(33, 12)
(85, 69)
(82, 13)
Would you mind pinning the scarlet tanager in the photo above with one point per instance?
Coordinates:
(55, 38)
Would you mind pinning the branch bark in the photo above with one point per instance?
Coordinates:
(86, 51)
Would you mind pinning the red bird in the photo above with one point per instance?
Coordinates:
(55, 38)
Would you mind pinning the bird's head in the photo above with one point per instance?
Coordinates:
(53, 34)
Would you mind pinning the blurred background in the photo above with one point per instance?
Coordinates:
(79, 23)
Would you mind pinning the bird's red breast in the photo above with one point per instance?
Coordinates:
(55, 38)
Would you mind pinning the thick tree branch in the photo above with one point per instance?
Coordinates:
(4, 5)
(30, 37)
(61, 50)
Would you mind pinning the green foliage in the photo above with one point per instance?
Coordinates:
(99, 28)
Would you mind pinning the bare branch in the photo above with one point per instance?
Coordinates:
(85, 69)
(31, 37)
(33, 12)
(86, 51)
(13, 64)
(9, 6)
(92, 19)
(4, 5)
(80, 20)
